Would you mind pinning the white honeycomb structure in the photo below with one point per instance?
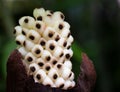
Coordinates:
(44, 42)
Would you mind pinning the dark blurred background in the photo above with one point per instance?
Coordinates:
(95, 25)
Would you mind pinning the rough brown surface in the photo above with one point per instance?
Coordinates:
(87, 77)
(19, 81)
(16, 73)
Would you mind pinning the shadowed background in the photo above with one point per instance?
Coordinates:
(95, 26)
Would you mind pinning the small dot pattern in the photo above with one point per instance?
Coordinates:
(46, 48)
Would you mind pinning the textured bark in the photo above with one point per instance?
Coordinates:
(19, 81)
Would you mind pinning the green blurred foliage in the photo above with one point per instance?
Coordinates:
(94, 26)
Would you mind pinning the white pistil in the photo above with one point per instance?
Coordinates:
(51, 45)
(27, 22)
(37, 50)
(53, 61)
(48, 82)
(33, 68)
(58, 16)
(30, 58)
(40, 62)
(71, 77)
(49, 33)
(68, 53)
(40, 75)
(53, 74)
(23, 51)
(62, 42)
(39, 13)
(20, 39)
(28, 45)
(70, 39)
(60, 82)
(58, 52)
(25, 31)
(73, 83)
(66, 25)
(65, 33)
(68, 64)
(68, 84)
(17, 30)
(65, 72)
(39, 26)
(42, 42)
(47, 67)
(46, 56)
(48, 20)
(33, 36)
(59, 68)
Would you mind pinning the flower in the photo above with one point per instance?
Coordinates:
(44, 51)
(44, 37)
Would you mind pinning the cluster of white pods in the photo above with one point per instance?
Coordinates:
(45, 44)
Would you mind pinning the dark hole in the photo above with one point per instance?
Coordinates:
(42, 43)
(29, 59)
(50, 34)
(70, 74)
(26, 20)
(39, 18)
(54, 62)
(31, 37)
(14, 32)
(24, 43)
(38, 26)
(52, 47)
(57, 38)
(70, 87)
(64, 44)
(18, 42)
(40, 64)
(37, 51)
(49, 15)
(48, 85)
(32, 69)
(23, 33)
(51, 11)
(61, 54)
(61, 86)
(55, 76)
(62, 16)
(69, 35)
(67, 56)
(48, 58)
(63, 61)
(38, 76)
(47, 68)
(59, 66)
(60, 26)
(68, 47)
